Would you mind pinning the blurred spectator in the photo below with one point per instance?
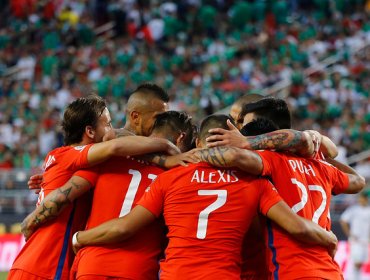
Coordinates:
(205, 53)
(355, 222)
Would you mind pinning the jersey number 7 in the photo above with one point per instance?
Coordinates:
(203, 215)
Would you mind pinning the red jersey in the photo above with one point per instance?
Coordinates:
(48, 252)
(306, 185)
(208, 212)
(119, 184)
(254, 259)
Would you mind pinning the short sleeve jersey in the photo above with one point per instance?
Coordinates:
(306, 185)
(118, 185)
(48, 252)
(207, 212)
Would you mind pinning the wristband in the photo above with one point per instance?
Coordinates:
(75, 241)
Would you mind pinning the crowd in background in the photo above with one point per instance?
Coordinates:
(206, 54)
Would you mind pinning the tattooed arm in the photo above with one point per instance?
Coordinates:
(245, 160)
(289, 140)
(53, 204)
(168, 162)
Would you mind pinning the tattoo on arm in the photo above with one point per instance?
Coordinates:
(50, 208)
(215, 156)
(288, 140)
(157, 159)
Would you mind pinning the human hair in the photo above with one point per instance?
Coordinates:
(151, 89)
(273, 109)
(248, 98)
(82, 112)
(213, 121)
(173, 122)
(258, 126)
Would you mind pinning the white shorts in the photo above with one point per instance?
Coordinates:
(359, 251)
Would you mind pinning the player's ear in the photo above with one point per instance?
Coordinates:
(90, 131)
(180, 138)
(198, 143)
(135, 117)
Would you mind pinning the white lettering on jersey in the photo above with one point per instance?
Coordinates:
(49, 161)
(221, 176)
(297, 165)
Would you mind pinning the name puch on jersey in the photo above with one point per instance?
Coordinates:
(214, 177)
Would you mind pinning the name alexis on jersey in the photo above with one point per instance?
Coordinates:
(214, 177)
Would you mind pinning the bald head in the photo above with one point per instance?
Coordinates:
(147, 101)
(238, 105)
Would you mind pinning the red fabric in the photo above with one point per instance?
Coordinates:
(18, 274)
(41, 254)
(210, 243)
(117, 182)
(305, 185)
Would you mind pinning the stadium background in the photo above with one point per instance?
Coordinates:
(206, 54)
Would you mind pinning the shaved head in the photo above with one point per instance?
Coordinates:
(147, 101)
(212, 121)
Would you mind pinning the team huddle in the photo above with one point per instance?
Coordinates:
(242, 197)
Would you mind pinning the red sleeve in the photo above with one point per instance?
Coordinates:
(80, 160)
(267, 159)
(268, 196)
(153, 198)
(90, 175)
(340, 180)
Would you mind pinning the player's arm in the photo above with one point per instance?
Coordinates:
(129, 146)
(356, 181)
(115, 230)
(300, 228)
(171, 161)
(245, 160)
(328, 148)
(293, 141)
(54, 203)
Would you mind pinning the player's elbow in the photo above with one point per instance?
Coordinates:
(307, 146)
(357, 184)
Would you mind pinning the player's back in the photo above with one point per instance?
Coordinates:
(119, 184)
(48, 253)
(207, 212)
(306, 186)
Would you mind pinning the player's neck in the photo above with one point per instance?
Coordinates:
(129, 128)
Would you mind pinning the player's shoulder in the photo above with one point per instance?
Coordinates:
(53, 155)
(273, 155)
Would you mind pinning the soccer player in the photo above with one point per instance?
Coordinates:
(47, 253)
(144, 103)
(207, 212)
(237, 107)
(120, 184)
(355, 222)
(147, 101)
(306, 185)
